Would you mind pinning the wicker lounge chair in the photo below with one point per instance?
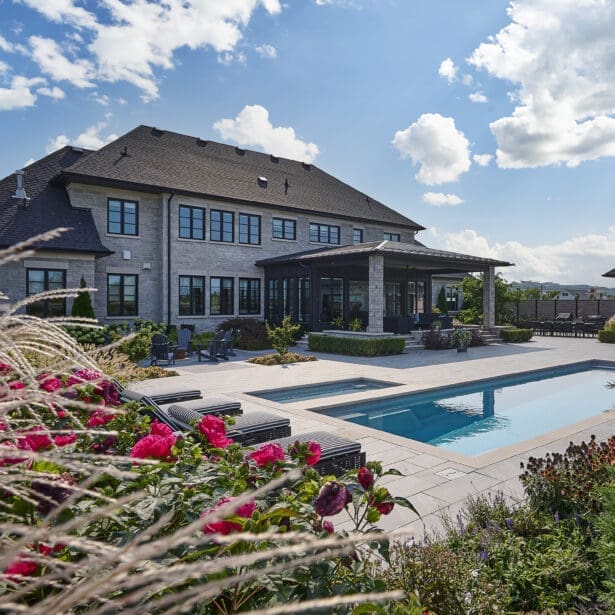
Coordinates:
(211, 404)
(338, 454)
(249, 429)
(168, 395)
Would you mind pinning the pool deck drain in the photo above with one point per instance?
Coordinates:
(436, 481)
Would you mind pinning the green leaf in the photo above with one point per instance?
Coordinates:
(393, 472)
(368, 608)
(406, 504)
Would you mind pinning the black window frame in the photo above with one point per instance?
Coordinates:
(354, 235)
(191, 229)
(250, 239)
(122, 308)
(123, 221)
(231, 307)
(250, 296)
(223, 213)
(323, 230)
(192, 310)
(31, 307)
(391, 237)
(284, 222)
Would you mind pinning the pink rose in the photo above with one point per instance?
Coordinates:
(34, 441)
(63, 440)
(51, 384)
(99, 417)
(365, 477)
(224, 526)
(267, 454)
(313, 456)
(20, 568)
(214, 429)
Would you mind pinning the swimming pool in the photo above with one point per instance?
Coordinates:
(323, 389)
(476, 418)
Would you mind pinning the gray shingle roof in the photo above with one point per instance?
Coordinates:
(48, 208)
(609, 274)
(170, 162)
(388, 248)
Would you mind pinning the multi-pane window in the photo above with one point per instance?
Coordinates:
(249, 296)
(392, 298)
(191, 222)
(304, 299)
(283, 228)
(221, 296)
(39, 281)
(191, 295)
(221, 225)
(357, 235)
(392, 237)
(249, 229)
(122, 217)
(122, 294)
(324, 233)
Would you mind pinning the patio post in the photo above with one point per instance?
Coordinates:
(489, 298)
(376, 293)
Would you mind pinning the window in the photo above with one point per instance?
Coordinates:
(392, 237)
(191, 222)
(122, 217)
(249, 296)
(324, 233)
(284, 228)
(357, 235)
(122, 299)
(331, 299)
(39, 281)
(221, 296)
(392, 298)
(191, 295)
(250, 229)
(221, 225)
(305, 299)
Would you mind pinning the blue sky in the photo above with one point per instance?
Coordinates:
(489, 123)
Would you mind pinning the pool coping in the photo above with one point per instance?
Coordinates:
(307, 409)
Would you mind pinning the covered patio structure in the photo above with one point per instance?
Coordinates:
(385, 284)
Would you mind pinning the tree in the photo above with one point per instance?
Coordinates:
(472, 311)
(82, 305)
(442, 303)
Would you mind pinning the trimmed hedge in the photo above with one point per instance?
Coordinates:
(516, 335)
(607, 336)
(361, 347)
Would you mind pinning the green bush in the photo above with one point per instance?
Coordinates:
(87, 335)
(516, 335)
(442, 303)
(365, 347)
(82, 305)
(605, 547)
(279, 359)
(283, 336)
(250, 334)
(606, 336)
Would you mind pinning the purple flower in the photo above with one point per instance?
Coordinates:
(482, 555)
(331, 499)
(509, 523)
(556, 517)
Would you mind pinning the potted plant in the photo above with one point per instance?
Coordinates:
(460, 339)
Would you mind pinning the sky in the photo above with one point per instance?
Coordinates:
(491, 123)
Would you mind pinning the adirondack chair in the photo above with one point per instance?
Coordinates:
(161, 351)
(214, 349)
(184, 341)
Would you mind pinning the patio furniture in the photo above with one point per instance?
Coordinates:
(338, 455)
(184, 343)
(214, 349)
(211, 404)
(227, 346)
(168, 395)
(249, 429)
(161, 350)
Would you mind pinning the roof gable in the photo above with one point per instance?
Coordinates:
(172, 162)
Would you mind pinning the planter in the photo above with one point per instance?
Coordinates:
(462, 349)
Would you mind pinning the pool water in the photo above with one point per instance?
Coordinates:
(324, 389)
(475, 418)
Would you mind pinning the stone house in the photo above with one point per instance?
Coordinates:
(173, 228)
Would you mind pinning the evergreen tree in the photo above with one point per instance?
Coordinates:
(442, 303)
(82, 305)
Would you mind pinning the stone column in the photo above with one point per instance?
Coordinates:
(489, 298)
(376, 294)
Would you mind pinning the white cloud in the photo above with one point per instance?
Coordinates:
(434, 143)
(138, 38)
(439, 199)
(54, 92)
(101, 99)
(448, 70)
(580, 259)
(267, 51)
(467, 79)
(560, 55)
(19, 94)
(4, 67)
(252, 128)
(478, 97)
(482, 160)
(5, 45)
(90, 138)
(47, 54)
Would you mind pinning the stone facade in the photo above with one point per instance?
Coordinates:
(376, 294)
(146, 254)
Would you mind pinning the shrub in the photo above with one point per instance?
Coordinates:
(607, 337)
(88, 335)
(434, 339)
(569, 483)
(283, 336)
(82, 305)
(516, 335)
(605, 544)
(250, 334)
(279, 359)
(356, 324)
(442, 303)
(461, 338)
(364, 347)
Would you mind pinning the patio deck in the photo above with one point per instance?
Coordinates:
(436, 481)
